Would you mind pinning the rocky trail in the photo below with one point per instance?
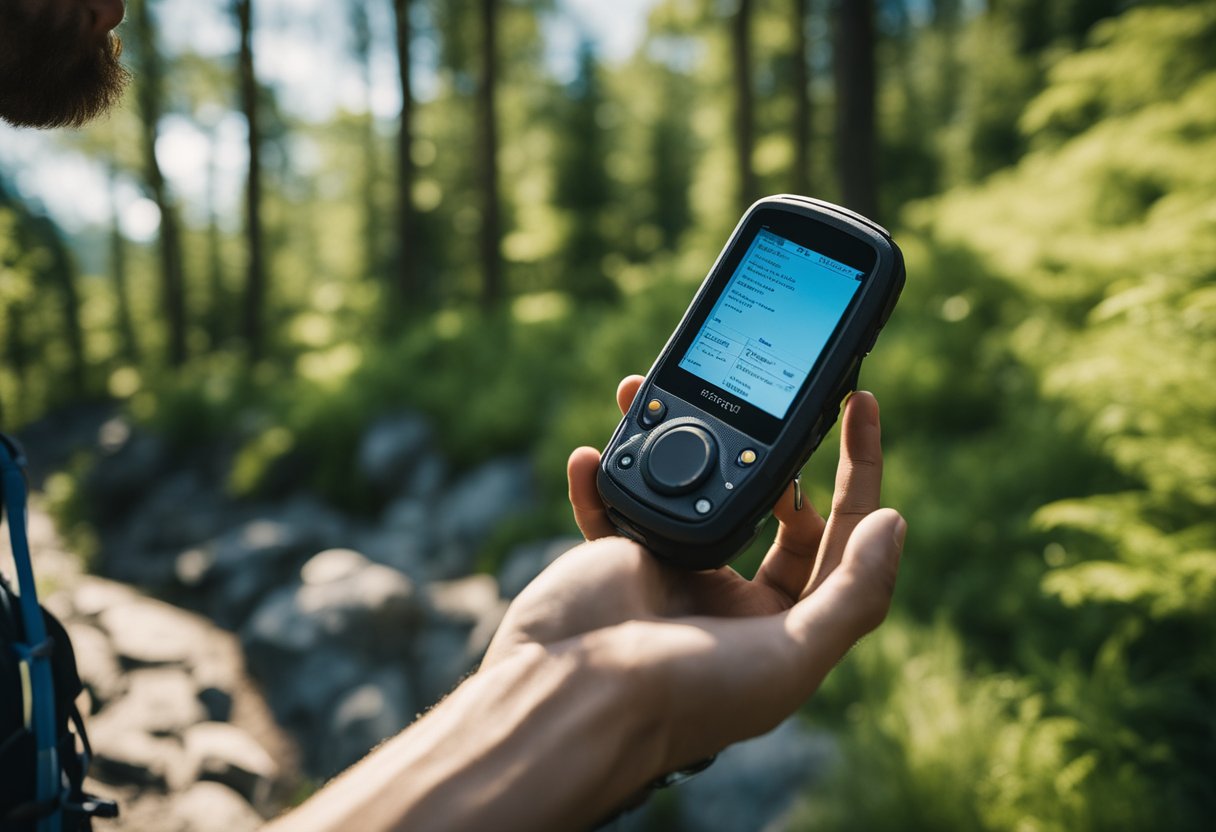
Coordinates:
(237, 654)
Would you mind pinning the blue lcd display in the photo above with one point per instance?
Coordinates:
(771, 322)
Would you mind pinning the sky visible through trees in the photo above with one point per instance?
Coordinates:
(317, 75)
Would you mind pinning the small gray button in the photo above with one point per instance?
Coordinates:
(625, 461)
(703, 506)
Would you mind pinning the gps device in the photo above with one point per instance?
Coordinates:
(751, 380)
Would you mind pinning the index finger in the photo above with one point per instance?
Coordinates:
(858, 481)
(627, 391)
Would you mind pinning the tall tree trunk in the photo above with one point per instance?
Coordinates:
(149, 93)
(491, 262)
(946, 20)
(118, 273)
(61, 272)
(801, 178)
(255, 279)
(361, 30)
(217, 317)
(744, 106)
(856, 144)
(407, 288)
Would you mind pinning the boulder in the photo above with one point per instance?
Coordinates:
(303, 692)
(474, 507)
(226, 754)
(397, 548)
(462, 616)
(755, 784)
(473, 601)
(464, 601)
(128, 466)
(134, 758)
(366, 715)
(236, 569)
(525, 562)
(158, 701)
(93, 596)
(442, 657)
(342, 600)
(394, 450)
(212, 807)
(96, 662)
(148, 632)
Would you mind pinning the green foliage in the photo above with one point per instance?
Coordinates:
(66, 502)
(1081, 695)
(930, 744)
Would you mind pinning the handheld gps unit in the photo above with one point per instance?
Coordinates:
(751, 379)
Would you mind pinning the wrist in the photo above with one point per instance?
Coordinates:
(545, 738)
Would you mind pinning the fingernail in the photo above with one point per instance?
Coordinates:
(900, 531)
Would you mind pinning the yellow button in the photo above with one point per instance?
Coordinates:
(654, 406)
(747, 457)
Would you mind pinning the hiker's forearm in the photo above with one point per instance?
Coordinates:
(544, 739)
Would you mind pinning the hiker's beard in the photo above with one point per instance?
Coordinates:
(54, 71)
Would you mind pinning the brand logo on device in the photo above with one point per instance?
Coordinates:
(725, 404)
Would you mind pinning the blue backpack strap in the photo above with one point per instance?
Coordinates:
(35, 652)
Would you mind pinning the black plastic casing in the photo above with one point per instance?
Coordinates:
(666, 525)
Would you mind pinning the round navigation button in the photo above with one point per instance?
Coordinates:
(680, 459)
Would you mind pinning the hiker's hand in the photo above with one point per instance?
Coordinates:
(715, 658)
(610, 669)
(606, 584)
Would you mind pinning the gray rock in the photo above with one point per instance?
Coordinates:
(129, 465)
(132, 757)
(463, 601)
(368, 714)
(427, 478)
(410, 517)
(226, 754)
(95, 595)
(315, 519)
(473, 601)
(442, 657)
(397, 549)
(212, 807)
(392, 449)
(303, 693)
(240, 566)
(148, 632)
(342, 600)
(217, 701)
(462, 616)
(474, 507)
(753, 785)
(182, 510)
(95, 660)
(158, 701)
(524, 563)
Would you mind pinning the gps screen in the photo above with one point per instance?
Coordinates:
(771, 322)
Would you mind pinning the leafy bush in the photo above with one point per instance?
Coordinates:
(1080, 697)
